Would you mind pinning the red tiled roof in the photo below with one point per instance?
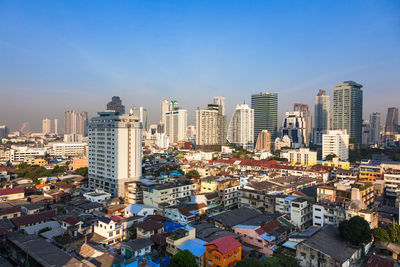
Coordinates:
(10, 191)
(260, 231)
(378, 261)
(211, 195)
(149, 225)
(10, 210)
(72, 220)
(34, 218)
(271, 225)
(224, 244)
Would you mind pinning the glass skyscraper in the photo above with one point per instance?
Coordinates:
(265, 107)
(347, 109)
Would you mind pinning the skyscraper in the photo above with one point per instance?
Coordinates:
(3, 131)
(347, 109)
(336, 143)
(70, 122)
(176, 123)
(321, 115)
(366, 132)
(391, 125)
(241, 127)
(116, 105)
(265, 106)
(264, 141)
(141, 113)
(82, 123)
(165, 107)
(46, 126)
(305, 110)
(220, 101)
(294, 126)
(210, 126)
(118, 160)
(55, 126)
(375, 127)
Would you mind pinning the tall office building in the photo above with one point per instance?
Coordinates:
(264, 141)
(3, 131)
(76, 123)
(294, 126)
(141, 113)
(391, 125)
(115, 152)
(82, 122)
(265, 106)
(210, 126)
(375, 128)
(366, 132)
(336, 142)
(46, 126)
(220, 101)
(347, 109)
(165, 107)
(176, 123)
(116, 105)
(241, 127)
(70, 122)
(321, 116)
(303, 108)
(56, 126)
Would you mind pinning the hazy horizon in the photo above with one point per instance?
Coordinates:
(75, 55)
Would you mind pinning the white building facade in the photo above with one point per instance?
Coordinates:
(241, 127)
(336, 142)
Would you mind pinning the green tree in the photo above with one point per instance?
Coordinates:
(249, 262)
(393, 231)
(132, 231)
(183, 258)
(45, 229)
(82, 171)
(381, 234)
(330, 157)
(356, 231)
(272, 262)
(193, 174)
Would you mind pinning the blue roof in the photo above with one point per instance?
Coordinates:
(246, 226)
(290, 244)
(135, 208)
(169, 227)
(274, 247)
(195, 246)
(267, 237)
(188, 227)
(290, 198)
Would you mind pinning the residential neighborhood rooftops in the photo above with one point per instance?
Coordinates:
(138, 244)
(34, 218)
(195, 246)
(225, 244)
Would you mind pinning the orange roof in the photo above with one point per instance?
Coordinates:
(41, 185)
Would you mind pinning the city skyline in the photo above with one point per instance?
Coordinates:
(69, 64)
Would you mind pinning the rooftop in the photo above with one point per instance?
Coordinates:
(225, 244)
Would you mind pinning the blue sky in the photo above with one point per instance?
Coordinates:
(60, 55)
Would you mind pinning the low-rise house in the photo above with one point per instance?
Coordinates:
(97, 196)
(72, 222)
(33, 208)
(12, 194)
(148, 228)
(301, 213)
(139, 210)
(33, 219)
(224, 251)
(327, 248)
(185, 213)
(137, 247)
(254, 236)
(178, 237)
(9, 213)
(197, 248)
(108, 231)
(208, 232)
(43, 187)
(90, 207)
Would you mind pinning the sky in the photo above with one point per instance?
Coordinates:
(75, 55)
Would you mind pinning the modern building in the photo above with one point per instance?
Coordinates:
(284, 142)
(347, 109)
(391, 125)
(116, 105)
(141, 113)
(56, 126)
(69, 149)
(264, 141)
(3, 131)
(210, 126)
(21, 153)
(305, 110)
(171, 193)
(336, 142)
(46, 126)
(241, 127)
(265, 106)
(115, 151)
(366, 132)
(176, 125)
(301, 156)
(220, 101)
(322, 117)
(375, 128)
(294, 126)
(75, 123)
(224, 251)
